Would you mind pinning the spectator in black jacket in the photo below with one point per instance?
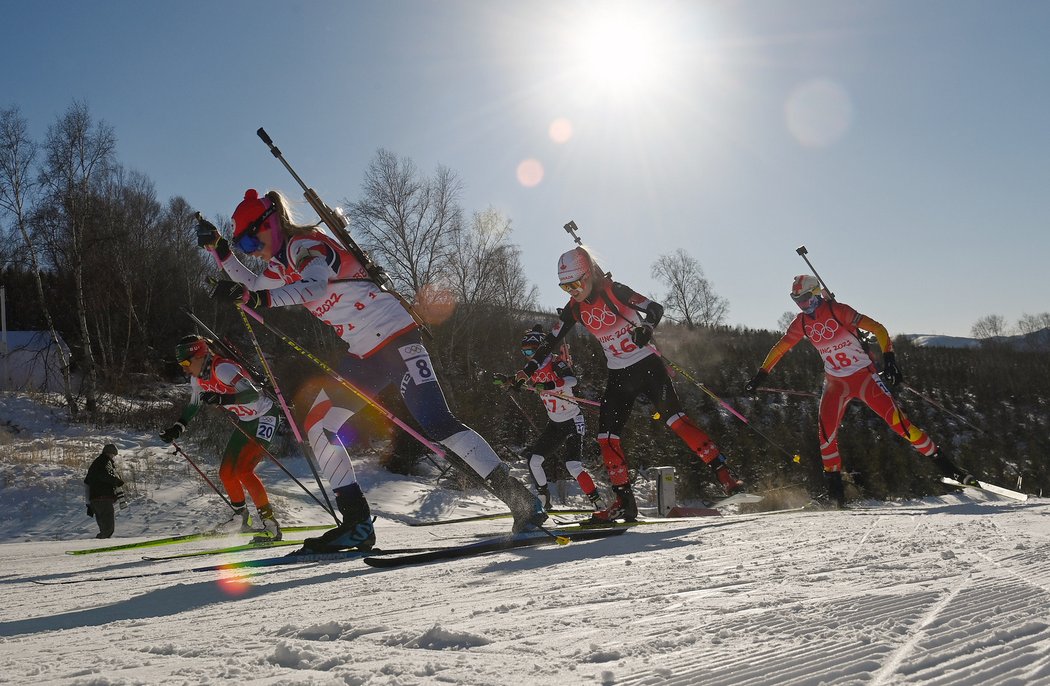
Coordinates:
(104, 488)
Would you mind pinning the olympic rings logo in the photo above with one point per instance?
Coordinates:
(822, 332)
(598, 317)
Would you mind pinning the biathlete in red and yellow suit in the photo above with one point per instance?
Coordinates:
(216, 380)
(849, 374)
(623, 322)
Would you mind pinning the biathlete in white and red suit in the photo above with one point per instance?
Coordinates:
(555, 379)
(216, 380)
(384, 348)
(849, 373)
(623, 322)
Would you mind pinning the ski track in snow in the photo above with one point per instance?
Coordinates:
(947, 591)
(853, 597)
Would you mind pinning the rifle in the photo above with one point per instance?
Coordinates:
(337, 224)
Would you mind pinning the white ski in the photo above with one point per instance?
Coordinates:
(990, 488)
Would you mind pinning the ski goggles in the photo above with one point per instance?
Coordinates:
(248, 242)
(528, 352)
(571, 286)
(806, 300)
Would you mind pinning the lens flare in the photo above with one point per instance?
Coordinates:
(560, 130)
(530, 173)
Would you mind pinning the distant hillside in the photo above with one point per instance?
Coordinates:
(1040, 340)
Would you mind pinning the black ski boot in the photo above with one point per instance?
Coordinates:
(545, 496)
(836, 489)
(951, 470)
(356, 531)
(527, 509)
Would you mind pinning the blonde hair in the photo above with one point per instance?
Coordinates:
(288, 224)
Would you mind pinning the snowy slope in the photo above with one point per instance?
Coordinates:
(949, 590)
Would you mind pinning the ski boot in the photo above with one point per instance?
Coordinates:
(624, 507)
(730, 484)
(545, 495)
(595, 498)
(356, 531)
(240, 510)
(836, 489)
(951, 470)
(527, 509)
(271, 530)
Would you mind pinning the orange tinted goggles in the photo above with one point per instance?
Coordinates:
(572, 286)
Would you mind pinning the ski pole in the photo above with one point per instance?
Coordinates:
(942, 408)
(204, 476)
(801, 250)
(342, 381)
(790, 391)
(237, 425)
(795, 457)
(514, 400)
(303, 444)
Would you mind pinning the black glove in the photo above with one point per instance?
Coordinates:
(519, 381)
(228, 290)
(546, 385)
(90, 511)
(752, 386)
(208, 237)
(641, 335)
(891, 374)
(172, 432)
(238, 293)
(500, 379)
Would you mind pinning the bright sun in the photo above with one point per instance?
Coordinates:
(619, 52)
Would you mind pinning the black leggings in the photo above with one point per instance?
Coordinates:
(648, 376)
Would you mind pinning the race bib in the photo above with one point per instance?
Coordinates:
(267, 427)
(417, 360)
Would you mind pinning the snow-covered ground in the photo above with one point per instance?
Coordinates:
(947, 590)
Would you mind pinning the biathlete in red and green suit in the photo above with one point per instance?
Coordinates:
(216, 380)
(849, 374)
(623, 322)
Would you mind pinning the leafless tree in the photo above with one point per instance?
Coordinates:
(1032, 323)
(690, 297)
(18, 189)
(785, 320)
(79, 155)
(408, 222)
(989, 326)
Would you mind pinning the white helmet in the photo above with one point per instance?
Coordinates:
(574, 265)
(803, 286)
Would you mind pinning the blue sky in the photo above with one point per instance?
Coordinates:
(904, 143)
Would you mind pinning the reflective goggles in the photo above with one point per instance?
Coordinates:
(576, 285)
(528, 352)
(805, 300)
(248, 242)
(186, 363)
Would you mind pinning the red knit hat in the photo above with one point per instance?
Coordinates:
(250, 211)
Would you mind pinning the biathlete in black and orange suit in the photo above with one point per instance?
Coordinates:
(554, 380)
(849, 374)
(623, 322)
(216, 380)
